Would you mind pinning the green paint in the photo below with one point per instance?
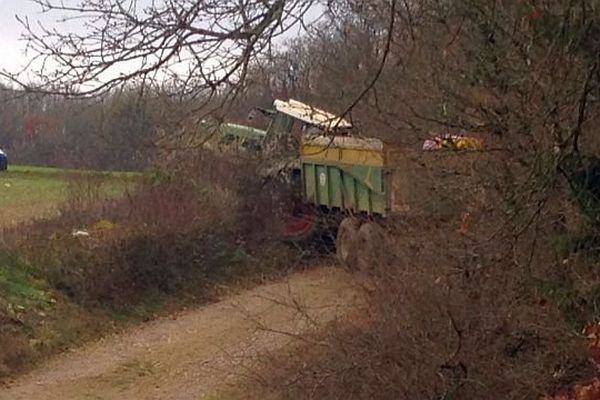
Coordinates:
(358, 188)
(242, 132)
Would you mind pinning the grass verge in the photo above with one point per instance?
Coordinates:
(28, 192)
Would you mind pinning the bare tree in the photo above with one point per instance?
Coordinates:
(195, 48)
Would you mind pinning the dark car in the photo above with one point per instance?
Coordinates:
(3, 161)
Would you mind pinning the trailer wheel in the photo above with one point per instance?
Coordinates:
(345, 243)
(371, 246)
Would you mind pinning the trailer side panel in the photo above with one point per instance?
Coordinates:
(348, 178)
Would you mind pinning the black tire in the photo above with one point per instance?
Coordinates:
(345, 244)
(371, 246)
(300, 225)
(317, 229)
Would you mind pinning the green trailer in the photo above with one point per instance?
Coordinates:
(343, 183)
(339, 181)
(352, 178)
(365, 181)
(347, 174)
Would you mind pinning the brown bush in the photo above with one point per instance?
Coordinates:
(482, 310)
(432, 331)
(197, 222)
(14, 353)
(126, 271)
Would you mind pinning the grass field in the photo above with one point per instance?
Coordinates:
(35, 318)
(28, 192)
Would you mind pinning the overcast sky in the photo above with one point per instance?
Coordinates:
(12, 50)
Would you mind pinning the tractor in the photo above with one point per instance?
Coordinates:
(343, 185)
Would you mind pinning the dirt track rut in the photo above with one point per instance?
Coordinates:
(197, 352)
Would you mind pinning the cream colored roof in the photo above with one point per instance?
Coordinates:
(345, 142)
(311, 115)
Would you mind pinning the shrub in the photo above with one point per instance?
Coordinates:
(489, 312)
(199, 222)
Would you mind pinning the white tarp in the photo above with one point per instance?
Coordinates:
(345, 142)
(311, 115)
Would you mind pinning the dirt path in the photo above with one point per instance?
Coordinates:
(196, 353)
